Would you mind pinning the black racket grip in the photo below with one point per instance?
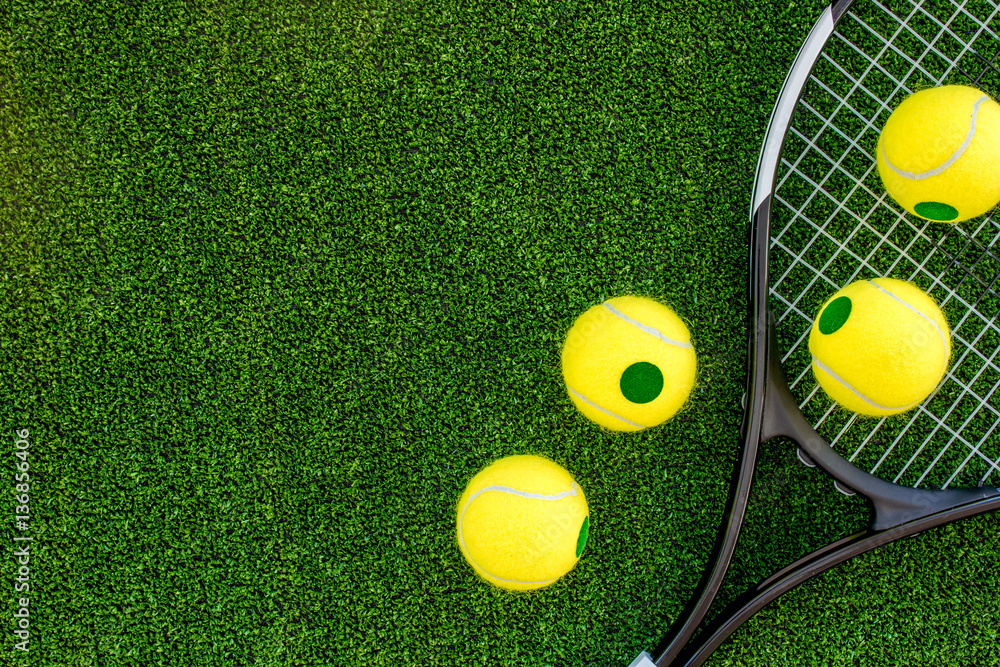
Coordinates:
(892, 504)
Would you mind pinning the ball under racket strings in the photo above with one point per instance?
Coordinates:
(820, 220)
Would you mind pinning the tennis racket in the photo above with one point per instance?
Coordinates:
(820, 220)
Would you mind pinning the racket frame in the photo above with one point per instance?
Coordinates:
(771, 410)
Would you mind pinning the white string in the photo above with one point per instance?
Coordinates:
(834, 224)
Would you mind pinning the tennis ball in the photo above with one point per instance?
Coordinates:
(880, 346)
(522, 522)
(939, 153)
(628, 363)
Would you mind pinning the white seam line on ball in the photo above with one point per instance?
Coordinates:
(950, 161)
(607, 412)
(826, 369)
(522, 494)
(645, 327)
(944, 338)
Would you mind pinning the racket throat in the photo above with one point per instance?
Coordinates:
(891, 505)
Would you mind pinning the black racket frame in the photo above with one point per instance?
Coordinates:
(771, 410)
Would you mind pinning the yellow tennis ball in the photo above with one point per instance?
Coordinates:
(629, 363)
(939, 153)
(522, 522)
(880, 346)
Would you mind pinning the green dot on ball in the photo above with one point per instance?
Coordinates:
(933, 210)
(641, 382)
(581, 541)
(834, 315)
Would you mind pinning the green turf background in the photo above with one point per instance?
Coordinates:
(279, 278)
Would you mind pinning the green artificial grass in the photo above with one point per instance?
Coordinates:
(279, 278)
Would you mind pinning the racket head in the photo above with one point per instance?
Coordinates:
(831, 223)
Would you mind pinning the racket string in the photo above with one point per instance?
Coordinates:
(833, 224)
